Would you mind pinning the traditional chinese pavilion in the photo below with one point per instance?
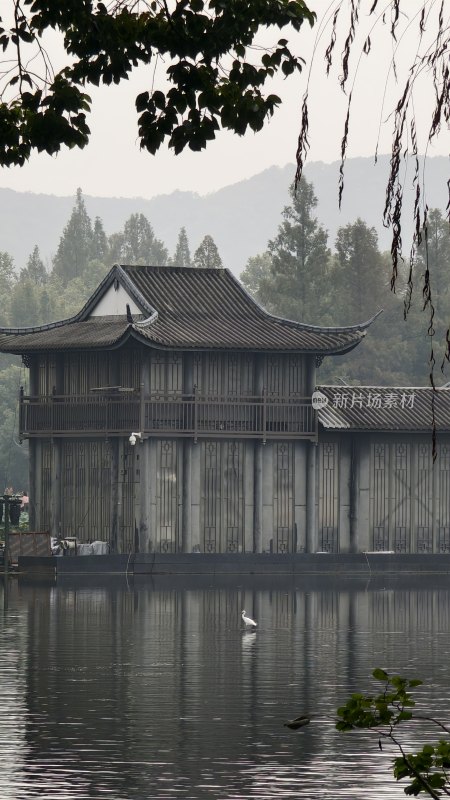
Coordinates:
(173, 414)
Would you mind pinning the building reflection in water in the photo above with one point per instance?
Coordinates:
(155, 689)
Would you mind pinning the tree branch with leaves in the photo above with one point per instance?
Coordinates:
(386, 714)
(217, 74)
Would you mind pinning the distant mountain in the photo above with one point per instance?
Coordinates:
(241, 218)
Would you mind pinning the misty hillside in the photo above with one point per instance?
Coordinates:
(241, 218)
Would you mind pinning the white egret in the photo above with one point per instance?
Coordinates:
(248, 622)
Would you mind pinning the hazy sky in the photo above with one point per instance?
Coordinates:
(113, 165)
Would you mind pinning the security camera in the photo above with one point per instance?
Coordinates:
(133, 438)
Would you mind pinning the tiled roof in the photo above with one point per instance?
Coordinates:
(96, 332)
(384, 408)
(184, 308)
(198, 308)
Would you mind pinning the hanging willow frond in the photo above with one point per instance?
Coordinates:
(430, 61)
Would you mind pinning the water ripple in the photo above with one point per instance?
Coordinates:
(156, 692)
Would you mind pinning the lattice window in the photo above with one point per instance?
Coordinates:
(379, 456)
(248, 375)
(46, 375)
(424, 539)
(296, 376)
(86, 490)
(210, 540)
(232, 383)
(212, 496)
(401, 457)
(130, 368)
(233, 495)
(283, 504)
(424, 499)
(166, 373)
(127, 523)
(401, 501)
(283, 540)
(444, 458)
(328, 542)
(380, 538)
(444, 539)
(46, 485)
(167, 496)
(401, 534)
(174, 373)
(380, 496)
(233, 540)
(222, 496)
(273, 376)
(443, 499)
(328, 493)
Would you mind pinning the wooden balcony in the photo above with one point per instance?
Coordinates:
(196, 416)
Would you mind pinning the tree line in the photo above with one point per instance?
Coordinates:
(299, 276)
(84, 255)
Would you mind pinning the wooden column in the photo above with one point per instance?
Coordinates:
(186, 515)
(362, 535)
(258, 496)
(114, 444)
(186, 493)
(311, 470)
(35, 460)
(145, 478)
(55, 503)
(32, 484)
(36, 499)
(258, 466)
(311, 494)
(353, 492)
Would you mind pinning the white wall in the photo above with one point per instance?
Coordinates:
(114, 303)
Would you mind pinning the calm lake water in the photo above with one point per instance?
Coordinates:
(129, 690)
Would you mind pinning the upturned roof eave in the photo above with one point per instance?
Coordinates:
(115, 273)
(361, 326)
(133, 330)
(146, 330)
(207, 347)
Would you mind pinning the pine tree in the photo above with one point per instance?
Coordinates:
(137, 244)
(207, 255)
(293, 283)
(182, 255)
(7, 282)
(35, 270)
(99, 248)
(75, 245)
(358, 276)
(433, 255)
(256, 277)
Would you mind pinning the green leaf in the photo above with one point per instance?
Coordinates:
(159, 99)
(380, 674)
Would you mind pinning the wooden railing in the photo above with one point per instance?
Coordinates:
(258, 417)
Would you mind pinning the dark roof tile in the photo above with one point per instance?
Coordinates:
(185, 308)
(384, 408)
